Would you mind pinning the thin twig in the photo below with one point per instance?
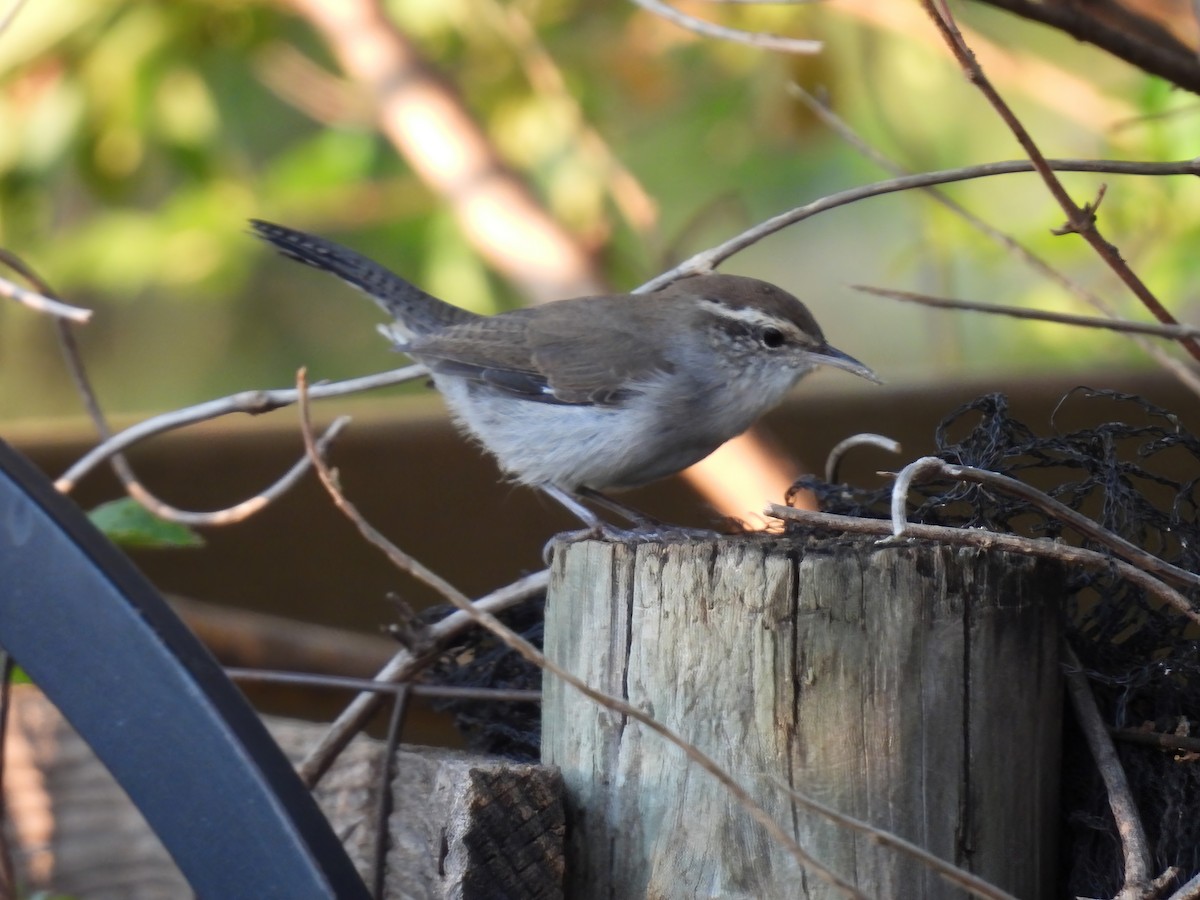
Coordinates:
(834, 460)
(721, 32)
(39, 302)
(347, 683)
(251, 402)
(1174, 332)
(1158, 739)
(990, 540)
(1189, 891)
(1159, 354)
(707, 260)
(517, 643)
(1135, 847)
(239, 511)
(968, 881)
(387, 775)
(10, 15)
(930, 467)
(1080, 219)
(1165, 56)
(404, 666)
(121, 466)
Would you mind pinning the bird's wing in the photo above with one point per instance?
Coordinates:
(581, 352)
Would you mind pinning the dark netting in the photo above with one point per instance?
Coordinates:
(1143, 660)
(513, 730)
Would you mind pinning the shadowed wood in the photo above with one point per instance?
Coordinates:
(912, 686)
(462, 826)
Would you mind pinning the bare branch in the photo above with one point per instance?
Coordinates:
(404, 666)
(990, 540)
(721, 32)
(834, 459)
(517, 643)
(1159, 354)
(10, 15)
(35, 301)
(1174, 332)
(1080, 219)
(707, 260)
(346, 683)
(1148, 46)
(239, 511)
(251, 402)
(930, 467)
(1180, 742)
(1134, 845)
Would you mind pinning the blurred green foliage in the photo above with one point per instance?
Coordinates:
(128, 524)
(137, 137)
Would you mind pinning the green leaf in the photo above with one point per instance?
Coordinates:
(128, 524)
(19, 676)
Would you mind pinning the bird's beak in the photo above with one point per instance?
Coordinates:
(831, 356)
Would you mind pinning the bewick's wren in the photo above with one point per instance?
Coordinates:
(585, 395)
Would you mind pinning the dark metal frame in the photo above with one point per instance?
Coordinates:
(154, 705)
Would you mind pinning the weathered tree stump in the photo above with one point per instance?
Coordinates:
(912, 686)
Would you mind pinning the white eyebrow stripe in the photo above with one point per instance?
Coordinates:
(751, 316)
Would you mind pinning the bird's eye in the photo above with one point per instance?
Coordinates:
(772, 338)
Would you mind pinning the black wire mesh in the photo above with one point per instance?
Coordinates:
(1142, 659)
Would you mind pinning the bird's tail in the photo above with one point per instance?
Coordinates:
(415, 312)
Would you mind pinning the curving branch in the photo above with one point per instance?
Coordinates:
(1139, 41)
(252, 403)
(721, 32)
(1081, 220)
(707, 260)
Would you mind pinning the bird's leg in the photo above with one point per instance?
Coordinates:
(638, 518)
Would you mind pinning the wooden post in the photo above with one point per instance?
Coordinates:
(913, 686)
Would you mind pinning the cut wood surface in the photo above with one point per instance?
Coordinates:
(462, 826)
(913, 686)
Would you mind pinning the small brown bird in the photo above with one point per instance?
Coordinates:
(597, 393)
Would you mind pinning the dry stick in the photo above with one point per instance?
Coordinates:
(969, 881)
(51, 306)
(1134, 845)
(405, 665)
(124, 471)
(515, 642)
(1165, 57)
(989, 540)
(1189, 891)
(834, 460)
(1174, 332)
(1158, 739)
(387, 775)
(928, 467)
(708, 260)
(721, 32)
(1080, 220)
(834, 122)
(250, 402)
(345, 682)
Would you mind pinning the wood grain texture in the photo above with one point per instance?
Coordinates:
(462, 826)
(912, 686)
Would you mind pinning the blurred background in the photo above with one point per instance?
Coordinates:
(498, 153)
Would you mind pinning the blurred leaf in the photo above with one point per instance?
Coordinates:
(128, 524)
